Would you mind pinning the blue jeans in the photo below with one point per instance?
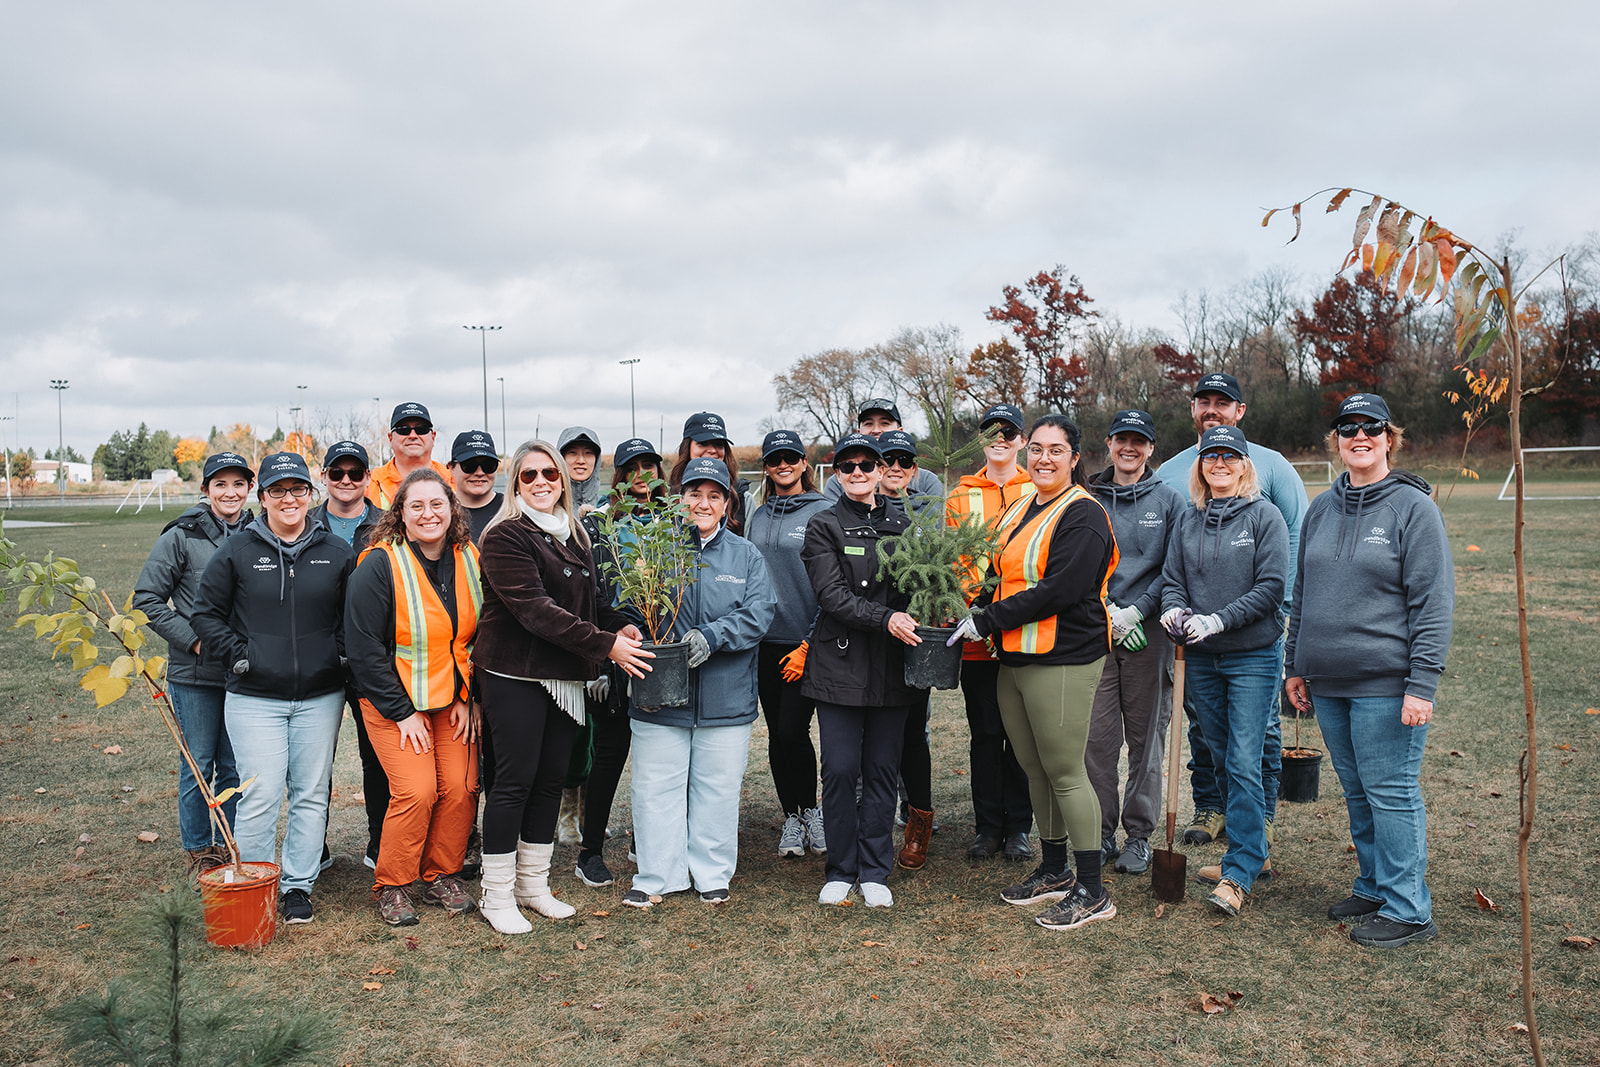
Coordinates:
(199, 711)
(284, 744)
(686, 785)
(1235, 696)
(1210, 793)
(1379, 759)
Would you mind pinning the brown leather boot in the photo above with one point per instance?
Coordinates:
(919, 830)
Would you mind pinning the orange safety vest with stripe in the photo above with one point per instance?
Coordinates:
(432, 657)
(1025, 554)
(978, 495)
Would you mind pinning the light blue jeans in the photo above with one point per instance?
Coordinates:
(1379, 760)
(284, 744)
(1235, 696)
(686, 786)
(199, 711)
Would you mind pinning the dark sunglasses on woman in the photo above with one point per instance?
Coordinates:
(850, 466)
(346, 474)
(549, 474)
(904, 462)
(782, 459)
(473, 466)
(1371, 429)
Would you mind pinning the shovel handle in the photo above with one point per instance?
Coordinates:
(1174, 744)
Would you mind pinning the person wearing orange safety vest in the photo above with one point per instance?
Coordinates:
(411, 437)
(1002, 814)
(1049, 626)
(411, 617)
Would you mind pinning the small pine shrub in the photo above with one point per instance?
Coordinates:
(930, 563)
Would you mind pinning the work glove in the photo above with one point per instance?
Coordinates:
(598, 688)
(1135, 640)
(1200, 627)
(1123, 620)
(1172, 621)
(966, 630)
(241, 666)
(794, 664)
(699, 648)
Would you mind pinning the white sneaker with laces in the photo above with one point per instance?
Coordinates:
(834, 893)
(792, 841)
(876, 895)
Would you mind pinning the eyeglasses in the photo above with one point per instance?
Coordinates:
(1232, 459)
(473, 466)
(1377, 428)
(411, 429)
(549, 474)
(850, 466)
(905, 463)
(417, 507)
(299, 491)
(346, 474)
(782, 459)
(1054, 451)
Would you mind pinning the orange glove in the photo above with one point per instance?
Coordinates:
(794, 664)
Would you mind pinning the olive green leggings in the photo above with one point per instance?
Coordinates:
(1045, 710)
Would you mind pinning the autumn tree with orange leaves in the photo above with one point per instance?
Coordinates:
(1044, 315)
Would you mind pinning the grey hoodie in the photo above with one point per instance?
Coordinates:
(778, 530)
(1144, 519)
(588, 492)
(172, 573)
(1375, 591)
(1230, 560)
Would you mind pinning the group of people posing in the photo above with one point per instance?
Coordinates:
(482, 646)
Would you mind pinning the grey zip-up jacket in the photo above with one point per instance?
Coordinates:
(778, 529)
(1375, 591)
(1229, 560)
(169, 582)
(1144, 519)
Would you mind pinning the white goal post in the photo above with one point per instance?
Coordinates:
(1530, 496)
(1314, 471)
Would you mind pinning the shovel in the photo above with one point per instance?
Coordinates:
(1168, 873)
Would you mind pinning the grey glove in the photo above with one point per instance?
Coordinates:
(1200, 627)
(699, 648)
(598, 688)
(241, 666)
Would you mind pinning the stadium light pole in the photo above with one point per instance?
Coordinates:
(60, 386)
(503, 441)
(5, 419)
(633, 413)
(483, 336)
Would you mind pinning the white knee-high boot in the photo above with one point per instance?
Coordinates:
(533, 882)
(497, 903)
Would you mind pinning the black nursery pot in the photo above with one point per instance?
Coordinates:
(932, 665)
(667, 684)
(1302, 768)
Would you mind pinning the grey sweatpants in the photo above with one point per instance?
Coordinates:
(1132, 704)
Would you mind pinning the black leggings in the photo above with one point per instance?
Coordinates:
(613, 733)
(532, 745)
(789, 752)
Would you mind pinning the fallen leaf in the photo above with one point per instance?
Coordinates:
(1235, 996)
(581, 947)
(1494, 794)
(41, 789)
(750, 989)
(874, 996)
(598, 937)
(1474, 548)
(8, 994)
(413, 944)
(1457, 753)
(112, 750)
(1564, 747)
(1484, 902)
(78, 852)
(1520, 1028)
(1212, 1005)
(566, 1003)
(601, 914)
(1161, 909)
(85, 838)
(127, 789)
(371, 987)
(1349, 848)
(381, 970)
(1578, 941)
(961, 772)
(1591, 711)
(655, 898)
(842, 903)
(596, 1006)
(874, 944)
(83, 926)
(546, 977)
(149, 837)
(1472, 825)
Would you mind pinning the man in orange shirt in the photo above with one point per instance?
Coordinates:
(1002, 812)
(411, 439)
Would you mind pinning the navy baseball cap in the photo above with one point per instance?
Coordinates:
(706, 469)
(282, 467)
(410, 410)
(782, 441)
(1007, 413)
(1226, 384)
(879, 403)
(473, 443)
(341, 449)
(632, 449)
(852, 441)
(225, 461)
(1369, 404)
(1132, 420)
(705, 426)
(896, 441)
(1224, 437)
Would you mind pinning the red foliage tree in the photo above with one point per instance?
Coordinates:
(1351, 329)
(1182, 369)
(1045, 326)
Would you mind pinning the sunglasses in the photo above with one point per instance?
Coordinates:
(412, 430)
(1230, 458)
(905, 463)
(278, 492)
(850, 466)
(549, 474)
(1005, 430)
(346, 474)
(1372, 429)
(473, 466)
(782, 459)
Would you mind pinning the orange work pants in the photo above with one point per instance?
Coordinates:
(433, 800)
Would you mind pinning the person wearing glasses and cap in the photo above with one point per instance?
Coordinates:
(1374, 599)
(705, 436)
(166, 592)
(271, 610)
(1134, 700)
(473, 463)
(411, 438)
(876, 417)
(1222, 597)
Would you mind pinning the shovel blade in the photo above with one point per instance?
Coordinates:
(1168, 875)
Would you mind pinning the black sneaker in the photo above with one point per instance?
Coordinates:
(1039, 887)
(715, 896)
(1076, 909)
(1379, 932)
(593, 872)
(637, 898)
(296, 907)
(1135, 856)
(1353, 908)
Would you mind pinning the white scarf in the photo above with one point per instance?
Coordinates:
(567, 695)
(557, 524)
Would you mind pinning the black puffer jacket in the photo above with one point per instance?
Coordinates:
(172, 573)
(853, 660)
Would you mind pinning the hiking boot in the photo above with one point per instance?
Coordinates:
(1228, 897)
(448, 893)
(1017, 847)
(206, 859)
(1076, 909)
(816, 836)
(1135, 857)
(637, 898)
(1040, 886)
(983, 847)
(1108, 850)
(914, 853)
(593, 872)
(394, 906)
(472, 866)
(1206, 827)
(792, 840)
(295, 905)
(1212, 874)
(1379, 932)
(1353, 909)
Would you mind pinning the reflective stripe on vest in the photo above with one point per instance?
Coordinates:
(428, 661)
(1023, 561)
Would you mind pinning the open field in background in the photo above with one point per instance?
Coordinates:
(949, 975)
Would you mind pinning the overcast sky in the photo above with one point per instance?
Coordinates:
(204, 206)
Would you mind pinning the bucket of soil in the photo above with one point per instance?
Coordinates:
(932, 664)
(667, 684)
(1301, 769)
(241, 912)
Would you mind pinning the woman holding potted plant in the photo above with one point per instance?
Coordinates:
(778, 528)
(411, 615)
(1047, 620)
(1376, 537)
(855, 672)
(1222, 591)
(539, 641)
(689, 760)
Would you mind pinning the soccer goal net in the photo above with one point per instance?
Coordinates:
(1570, 473)
(1315, 471)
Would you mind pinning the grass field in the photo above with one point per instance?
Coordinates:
(950, 975)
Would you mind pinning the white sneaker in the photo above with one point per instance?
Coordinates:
(876, 895)
(811, 818)
(792, 841)
(834, 893)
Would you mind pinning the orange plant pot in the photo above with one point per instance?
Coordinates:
(240, 913)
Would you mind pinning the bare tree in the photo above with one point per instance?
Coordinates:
(826, 390)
